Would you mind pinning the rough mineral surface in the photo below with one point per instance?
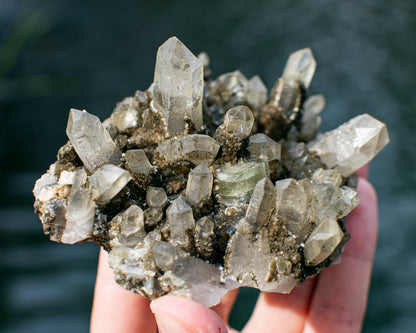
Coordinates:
(198, 186)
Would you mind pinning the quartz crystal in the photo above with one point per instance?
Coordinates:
(91, 140)
(200, 185)
(262, 146)
(239, 120)
(107, 181)
(137, 162)
(300, 67)
(127, 227)
(178, 85)
(156, 197)
(322, 241)
(181, 222)
(256, 92)
(352, 145)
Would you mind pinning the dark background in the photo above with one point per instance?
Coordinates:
(90, 54)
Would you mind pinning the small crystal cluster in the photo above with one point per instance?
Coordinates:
(198, 186)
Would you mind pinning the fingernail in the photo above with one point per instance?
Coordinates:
(169, 324)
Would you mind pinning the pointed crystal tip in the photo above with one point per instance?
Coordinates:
(178, 85)
(300, 67)
(91, 141)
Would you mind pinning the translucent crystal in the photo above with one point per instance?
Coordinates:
(135, 268)
(178, 85)
(107, 181)
(293, 205)
(352, 145)
(261, 206)
(156, 197)
(283, 108)
(205, 237)
(137, 162)
(196, 279)
(345, 200)
(169, 151)
(198, 148)
(91, 140)
(195, 148)
(181, 222)
(257, 92)
(128, 227)
(44, 189)
(239, 120)
(300, 67)
(140, 99)
(329, 176)
(153, 215)
(231, 87)
(165, 255)
(199, 186)
(250, 261)
(322, 197)
(322, 241)
(262, 146)
(125, 116)
(311, 119)
(235, 183)
(79, 212)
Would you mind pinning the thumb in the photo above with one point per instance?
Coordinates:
(176, 314)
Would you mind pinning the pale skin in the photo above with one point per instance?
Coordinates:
(334, 301)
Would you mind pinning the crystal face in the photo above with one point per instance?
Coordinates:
(352, 145)
(198, 186)
(178, 85)
(91, 141)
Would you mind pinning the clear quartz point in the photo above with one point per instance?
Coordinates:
(199, 186)
(239, 120)
(300, 67)
(205, 237)
(322, 241)
(262, 146)
(311, 119)
(127, 228)
(181, 222)
(178, 85)
(79, 211)
(261, 206)
(257, 92)
(107, 181)
(137, 162)
(351, 145)
(156, 197)
(91, 140)
(293, 205)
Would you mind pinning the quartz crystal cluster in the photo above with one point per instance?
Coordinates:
(198, 186)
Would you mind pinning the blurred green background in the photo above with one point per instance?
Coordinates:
(90, 54)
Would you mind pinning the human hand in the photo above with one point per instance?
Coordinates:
(334, 301)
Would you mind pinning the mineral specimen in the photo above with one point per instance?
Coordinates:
(199, 186)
